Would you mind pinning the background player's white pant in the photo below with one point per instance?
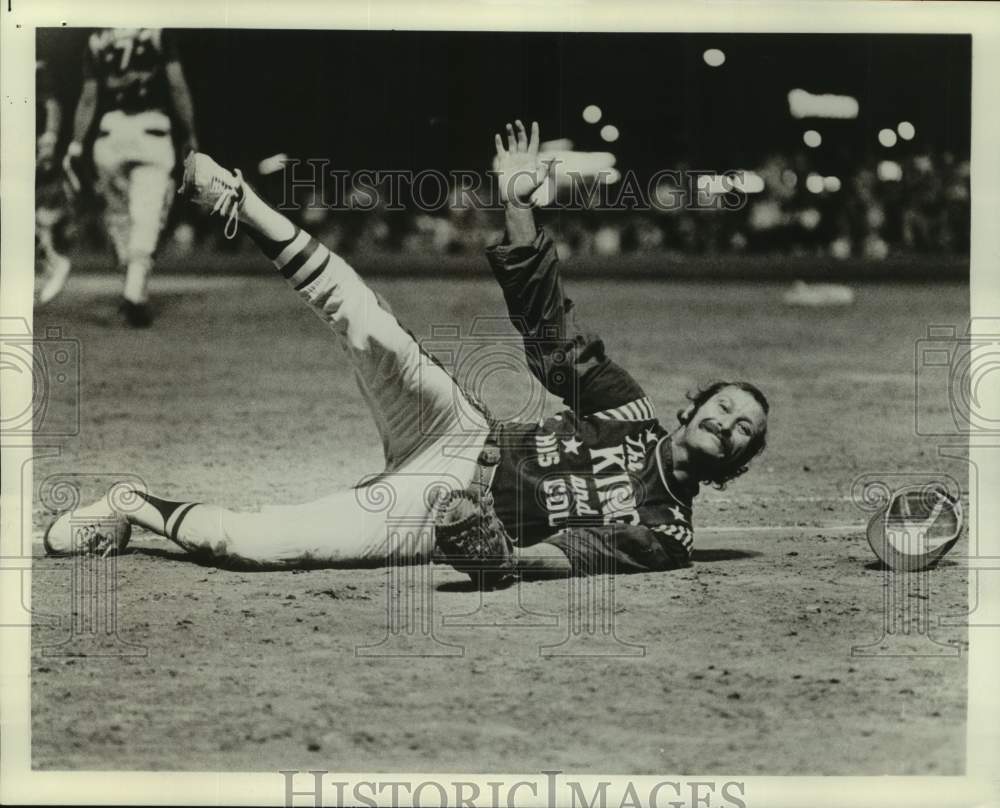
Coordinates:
(134, 158)
(431, 436)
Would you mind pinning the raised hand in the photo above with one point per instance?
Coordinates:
(519, 171)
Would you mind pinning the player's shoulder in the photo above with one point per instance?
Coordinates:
(637, 410)
(636, 417)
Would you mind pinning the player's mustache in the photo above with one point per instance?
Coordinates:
(724, 436)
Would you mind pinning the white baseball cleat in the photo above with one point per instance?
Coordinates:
(96, 529)
(54, 278)
(210, 186)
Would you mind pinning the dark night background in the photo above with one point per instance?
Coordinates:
(432, 99)
(408, 100)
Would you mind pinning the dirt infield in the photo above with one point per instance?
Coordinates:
(741, 663)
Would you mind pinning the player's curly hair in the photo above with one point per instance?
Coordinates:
(754, 448)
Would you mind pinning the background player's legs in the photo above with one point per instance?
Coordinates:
(133, 156)
(52, 231)
(150, 193)
(112, 184)
(55, 266)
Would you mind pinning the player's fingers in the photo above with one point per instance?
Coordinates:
(533, 145)
(522, 136)
(511, 139)
(501, 151)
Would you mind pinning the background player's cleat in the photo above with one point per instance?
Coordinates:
(96, 529)
(137, 315)
(54, 278)
(210, 186)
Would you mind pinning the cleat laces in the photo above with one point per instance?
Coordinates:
(228, 203)
(91, 540)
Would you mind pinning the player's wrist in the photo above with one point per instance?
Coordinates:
(520, 225)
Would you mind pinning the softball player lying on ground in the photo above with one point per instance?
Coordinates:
(601, 487)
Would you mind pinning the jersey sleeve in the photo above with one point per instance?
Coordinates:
(621, 549)
(568, 360)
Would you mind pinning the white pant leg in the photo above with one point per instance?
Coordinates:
(415, 402)
(112, 184)
(432, 436)
(388, 520)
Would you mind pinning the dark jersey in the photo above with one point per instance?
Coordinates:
(129, 65)
(595, 480)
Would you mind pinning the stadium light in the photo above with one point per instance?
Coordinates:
(789, 177)
(810, 218)
(560, 144)
(906, 130)
(890, 171)
(814, 184)
(831, 184)
(609, 133)
(804, 104)
(812, 138)
(714, 57)
(592, 113)
(748, 182)
(887, 138)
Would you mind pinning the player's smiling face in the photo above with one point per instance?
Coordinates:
(720, 430)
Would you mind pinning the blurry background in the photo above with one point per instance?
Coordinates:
(882, 182)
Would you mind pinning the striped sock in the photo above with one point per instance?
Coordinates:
(161, 515)
(301, 260)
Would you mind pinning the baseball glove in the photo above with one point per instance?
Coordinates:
(471, 538)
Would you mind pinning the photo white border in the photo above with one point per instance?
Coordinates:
(17, 44)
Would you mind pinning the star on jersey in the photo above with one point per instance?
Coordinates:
(678, 515)
(572, 445)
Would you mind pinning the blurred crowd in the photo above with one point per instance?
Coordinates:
(919, 205)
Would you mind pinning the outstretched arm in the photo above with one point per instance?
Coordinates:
(45, 148)
(83, 119)
(611, 549)
(86, 107)
(180, 97)
(569, 362)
